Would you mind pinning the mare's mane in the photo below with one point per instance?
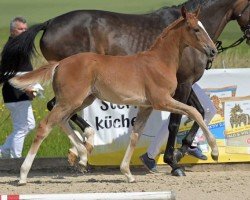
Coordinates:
(191, 5)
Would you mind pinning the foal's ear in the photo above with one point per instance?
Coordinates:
(197, 12)
(183, 12)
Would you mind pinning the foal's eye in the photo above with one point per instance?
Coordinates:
(196, 30)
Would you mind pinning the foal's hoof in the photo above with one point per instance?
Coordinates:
(215, 157)
(72, 158)
(82, 167)
(178, 172)
(131, 179)
(21, 183)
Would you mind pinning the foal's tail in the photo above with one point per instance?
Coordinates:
(18, 51)
(40, 75)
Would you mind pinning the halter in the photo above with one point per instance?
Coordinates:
(246, 35)
(245, 29)
(243, 10)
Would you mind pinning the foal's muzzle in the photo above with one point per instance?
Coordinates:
(211, 52)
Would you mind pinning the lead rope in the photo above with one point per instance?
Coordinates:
(218, 43)
(221, 49)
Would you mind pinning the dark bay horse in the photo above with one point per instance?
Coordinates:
(146, 79)
(123, 34)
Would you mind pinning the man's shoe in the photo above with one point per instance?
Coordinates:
(149, 163)
(196, 152)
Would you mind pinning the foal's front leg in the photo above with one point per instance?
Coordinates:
(141, 119)
(171, 105)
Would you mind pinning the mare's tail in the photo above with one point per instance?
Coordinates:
(40, 75)
(18, 51)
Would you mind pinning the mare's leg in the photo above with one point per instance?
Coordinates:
(44, 128)
(171, 157)
(141, 119)
(174, 106)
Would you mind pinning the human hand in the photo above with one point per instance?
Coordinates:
(30, 92)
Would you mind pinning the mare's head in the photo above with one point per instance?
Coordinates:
(241, 12)
(195, 35)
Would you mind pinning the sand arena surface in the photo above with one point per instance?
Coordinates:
(221, 184)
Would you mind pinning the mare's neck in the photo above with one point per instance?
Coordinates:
(215, 14)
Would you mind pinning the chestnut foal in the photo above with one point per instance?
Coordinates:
(147, 80)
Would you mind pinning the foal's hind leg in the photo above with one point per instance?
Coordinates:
(78, 144)
(87, 136)
(88, 131)
(42, 132)
(79, 121)
(174, 106)
(141, 119)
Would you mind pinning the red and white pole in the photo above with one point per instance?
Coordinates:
(168, 195)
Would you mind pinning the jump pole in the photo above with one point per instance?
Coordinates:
(168, 195)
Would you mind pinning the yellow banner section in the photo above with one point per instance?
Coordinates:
(223, 158)
(115, 159)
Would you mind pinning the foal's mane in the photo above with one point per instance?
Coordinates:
(166, 31)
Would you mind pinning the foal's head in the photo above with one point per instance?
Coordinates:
(195, 35)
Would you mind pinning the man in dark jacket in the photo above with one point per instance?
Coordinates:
(18, 103)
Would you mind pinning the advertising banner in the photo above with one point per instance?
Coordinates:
(229, 91)
(237, 125)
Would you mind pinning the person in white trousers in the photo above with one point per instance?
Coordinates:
(18, 103)
(161, 137)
